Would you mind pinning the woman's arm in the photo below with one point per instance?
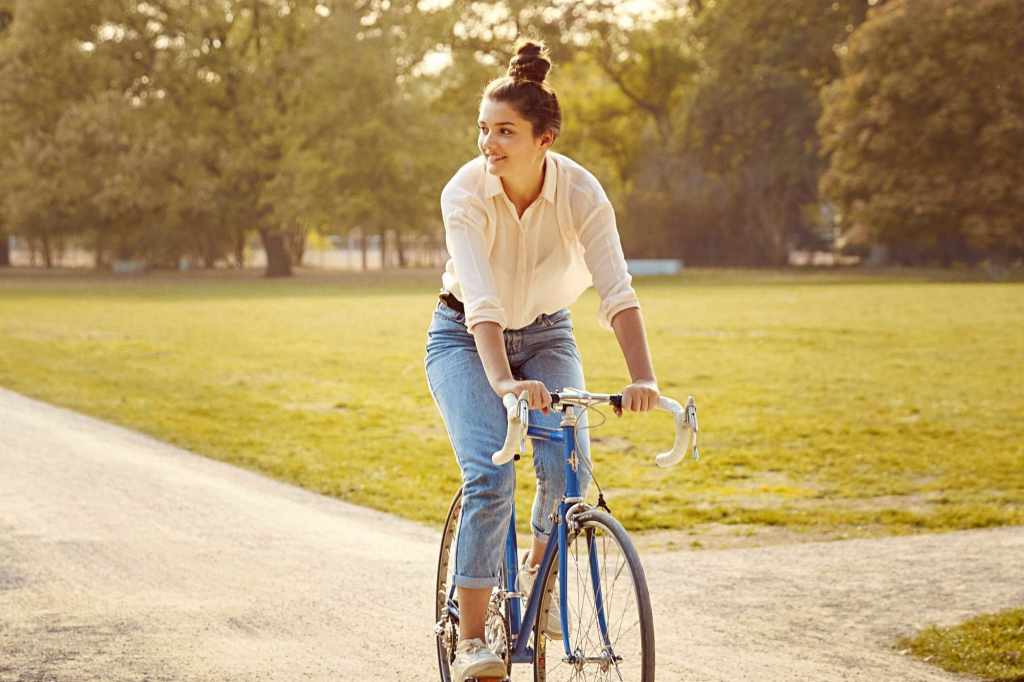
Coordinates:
(642, 394)
(490, 345)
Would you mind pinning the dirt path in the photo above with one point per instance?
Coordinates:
(122, 558)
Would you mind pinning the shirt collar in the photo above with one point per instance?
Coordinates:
(550, 178)
(492, 183)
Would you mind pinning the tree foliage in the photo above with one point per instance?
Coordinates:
(244, 116)
(924, 130)
(751, 146)
(184, 129)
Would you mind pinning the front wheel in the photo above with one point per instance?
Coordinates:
(611, 627)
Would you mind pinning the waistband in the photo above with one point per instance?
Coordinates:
(448, 300)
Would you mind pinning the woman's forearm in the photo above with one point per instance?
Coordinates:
(629, 330)
(490, 345)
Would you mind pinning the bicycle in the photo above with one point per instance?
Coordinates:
(593, 551)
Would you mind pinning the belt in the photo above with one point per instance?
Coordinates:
(449, 300)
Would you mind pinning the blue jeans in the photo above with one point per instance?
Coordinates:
(476, 421)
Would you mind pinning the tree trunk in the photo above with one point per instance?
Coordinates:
(399, 248)
(47, 252)
(5, 250)
(772, 227)
(59, 248)
(297, 245)
(279, 262)
(240, 249)
(209, 253)
(364, 246)
(383, 249)
(99, 249)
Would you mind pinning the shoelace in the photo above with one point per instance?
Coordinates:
(471, 646)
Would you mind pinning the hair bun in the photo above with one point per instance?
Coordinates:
(531, 62)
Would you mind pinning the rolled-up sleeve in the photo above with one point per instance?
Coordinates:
(602, 251)
(464, 223)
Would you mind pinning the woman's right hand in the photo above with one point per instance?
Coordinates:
(539, 397)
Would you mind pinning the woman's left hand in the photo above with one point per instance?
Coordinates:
(639, 396)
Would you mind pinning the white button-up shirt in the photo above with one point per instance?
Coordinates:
(508, 269)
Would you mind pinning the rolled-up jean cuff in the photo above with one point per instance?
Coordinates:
(540, 534)
(475, 583)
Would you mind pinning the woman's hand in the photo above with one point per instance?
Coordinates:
(639, 396)
(539, 397)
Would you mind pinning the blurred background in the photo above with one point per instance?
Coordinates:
(192, 134)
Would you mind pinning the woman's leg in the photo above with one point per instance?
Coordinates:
(476, 423)
(473, 612)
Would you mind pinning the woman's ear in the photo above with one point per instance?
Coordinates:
(547, 139)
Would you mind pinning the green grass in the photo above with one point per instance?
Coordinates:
(990, 646)
(846, 402)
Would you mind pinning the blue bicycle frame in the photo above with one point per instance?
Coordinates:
(521, 652)
(520, 623)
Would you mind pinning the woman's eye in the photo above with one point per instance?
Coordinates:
(506, 131)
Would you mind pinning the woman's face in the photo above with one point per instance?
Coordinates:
(506, 140)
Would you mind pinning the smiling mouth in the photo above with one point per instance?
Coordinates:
(494, 159)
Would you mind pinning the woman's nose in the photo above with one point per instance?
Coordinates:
(487, 141)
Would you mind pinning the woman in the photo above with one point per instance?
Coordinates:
(528, 230)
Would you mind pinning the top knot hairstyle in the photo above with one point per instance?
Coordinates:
(531, 63)
(524, 88)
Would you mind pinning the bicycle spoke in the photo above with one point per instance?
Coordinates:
(623, 650)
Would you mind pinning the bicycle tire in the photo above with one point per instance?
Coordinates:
(446, 642)
(616, 556)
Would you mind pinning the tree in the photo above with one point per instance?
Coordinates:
(6, 18)
(752, 124)
(634, 111)
(924, 130)
(364, 146)
(44, 70)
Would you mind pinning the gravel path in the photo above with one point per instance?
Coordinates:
(123, 558)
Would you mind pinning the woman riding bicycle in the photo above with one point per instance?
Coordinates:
(528, 230)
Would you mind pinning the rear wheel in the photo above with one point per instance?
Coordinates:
(447, 628)
(446, 604)
(611, 627)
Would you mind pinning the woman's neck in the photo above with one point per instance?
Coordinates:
(524, 191)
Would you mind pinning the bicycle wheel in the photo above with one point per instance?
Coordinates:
(446, 629)
(611, 627)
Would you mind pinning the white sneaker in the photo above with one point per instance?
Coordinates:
(474, 659)
(551, 622)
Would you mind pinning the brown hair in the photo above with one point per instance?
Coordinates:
(525, 90)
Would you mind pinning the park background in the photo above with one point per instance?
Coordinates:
(219, 225)
(175, 133)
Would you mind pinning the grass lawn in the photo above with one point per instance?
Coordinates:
(837, 403)
(990, 646)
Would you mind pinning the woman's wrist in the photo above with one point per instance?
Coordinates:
(503, 385)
